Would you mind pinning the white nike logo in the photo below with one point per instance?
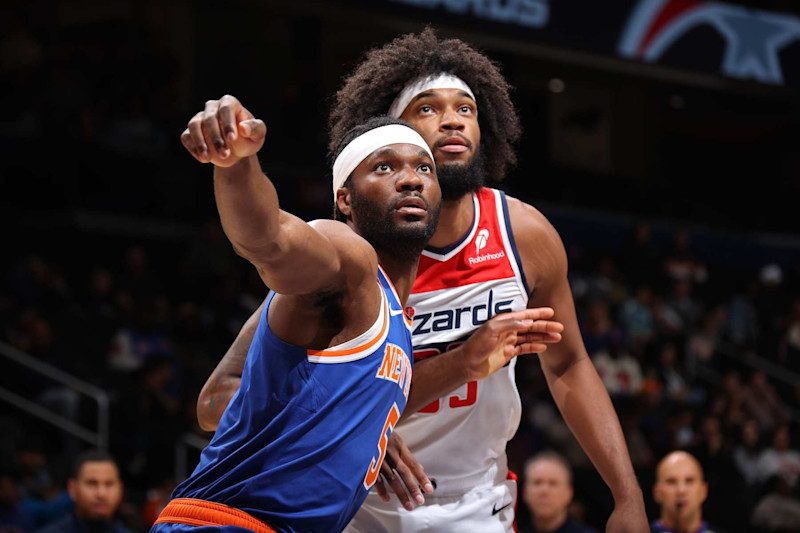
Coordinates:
(395, 312)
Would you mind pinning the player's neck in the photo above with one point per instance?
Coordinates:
(545, 524)
(690, 524)
(401, 272)
(454, 221)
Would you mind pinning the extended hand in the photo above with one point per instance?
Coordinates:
(403, 473)
(223, 133)
(506, 336)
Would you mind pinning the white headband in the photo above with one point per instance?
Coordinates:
(359, 148)
(442, 80)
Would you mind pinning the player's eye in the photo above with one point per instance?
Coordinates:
(425, 167)
(465, 109)
(426, 109)
(383, 167)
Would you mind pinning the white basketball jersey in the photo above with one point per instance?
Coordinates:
(461, 438)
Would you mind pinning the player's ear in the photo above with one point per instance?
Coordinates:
(343, 201)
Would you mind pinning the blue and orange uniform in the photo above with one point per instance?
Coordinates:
(302, 441)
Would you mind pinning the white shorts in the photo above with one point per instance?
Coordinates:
(487, 509)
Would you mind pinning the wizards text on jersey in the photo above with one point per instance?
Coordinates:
(467, 316)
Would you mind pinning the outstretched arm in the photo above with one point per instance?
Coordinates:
(574, 383)
(291, 256)
(226, 377)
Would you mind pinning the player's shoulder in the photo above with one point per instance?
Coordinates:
(339, 233)
(352, 248)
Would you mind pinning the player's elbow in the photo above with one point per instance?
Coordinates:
(205, 420)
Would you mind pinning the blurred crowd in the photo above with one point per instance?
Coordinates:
(694, 358)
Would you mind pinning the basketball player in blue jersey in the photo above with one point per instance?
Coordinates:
(329, 368)
(490, 254)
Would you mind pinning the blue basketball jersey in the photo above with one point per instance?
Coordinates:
(301, 442)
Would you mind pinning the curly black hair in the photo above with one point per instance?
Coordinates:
(374, 84)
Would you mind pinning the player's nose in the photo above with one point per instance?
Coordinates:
(451, 121)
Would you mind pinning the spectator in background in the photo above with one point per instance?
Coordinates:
(41, 497)
(778, 511)
(548, 493)
(14, 517)
(636, 318)
(742, 324)
(680, 491)
(605, 284)
(746, 455)
(702, 344)
(779, 459)
(146, 447)
(762, 401)
(639, 448)
(642, 260)
(733, 396)
(96, 490)
(140, 340)
(770, 303)
(599, 331)
(681, 264)
(789, 353)
(685, 304)
(620, 371)
(724, 505)
(669, 371)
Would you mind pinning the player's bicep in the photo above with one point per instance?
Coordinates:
(306, 258)
(547, 271)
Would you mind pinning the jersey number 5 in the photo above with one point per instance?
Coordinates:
(375, 466)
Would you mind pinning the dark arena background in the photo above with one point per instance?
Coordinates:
(661, 138)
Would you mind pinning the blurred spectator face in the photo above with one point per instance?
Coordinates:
(712, 429)
(780, 441)
(136, 258)
(9, 496)
(96, 491)
(731, 383)
(548, 491)
(750, 434)
(668, 356)
(101, 282)
(680, 489)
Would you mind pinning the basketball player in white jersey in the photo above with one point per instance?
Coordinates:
(490, 254)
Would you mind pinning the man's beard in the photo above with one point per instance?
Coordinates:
(458, 180)
(375, 223)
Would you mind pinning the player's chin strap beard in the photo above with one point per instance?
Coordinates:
(375, 223)
(459, 180)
